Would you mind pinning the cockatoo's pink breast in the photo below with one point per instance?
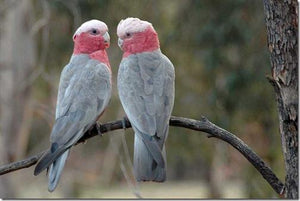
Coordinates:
(102, 57)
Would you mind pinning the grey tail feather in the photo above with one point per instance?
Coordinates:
(56, 170)
(41, 163)
(145, 167)
(153, 148)
(47, 159)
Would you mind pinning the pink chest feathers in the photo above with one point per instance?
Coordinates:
(101, 56)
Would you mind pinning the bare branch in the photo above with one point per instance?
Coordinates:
(28, 162)
(203, 125)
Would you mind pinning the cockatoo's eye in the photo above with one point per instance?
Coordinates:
(94, 32)
(128, 35)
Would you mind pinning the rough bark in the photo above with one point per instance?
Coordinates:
(282, 30)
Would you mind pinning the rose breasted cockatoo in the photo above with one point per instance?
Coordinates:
(83, 94)
(146, 89)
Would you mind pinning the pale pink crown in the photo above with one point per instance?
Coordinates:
(132, 25)
(96, 24)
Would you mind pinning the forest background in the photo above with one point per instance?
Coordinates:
(219, 50)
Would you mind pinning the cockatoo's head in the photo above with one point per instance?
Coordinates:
(136, 36)
(90, 37)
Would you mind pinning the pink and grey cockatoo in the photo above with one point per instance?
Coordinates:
(146, 89)
(83, 94)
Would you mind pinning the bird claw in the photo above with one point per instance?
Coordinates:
(124, 122)
(98, 127)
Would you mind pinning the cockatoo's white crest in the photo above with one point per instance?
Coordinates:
(96, 24)
(132, 25)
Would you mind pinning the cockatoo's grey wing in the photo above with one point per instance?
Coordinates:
(87, 94)
(164, 92)
(85, 98)
(146, 90)
(70, 73)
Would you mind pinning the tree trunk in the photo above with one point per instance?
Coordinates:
(17, 58)
(282, 29)
(17, 50)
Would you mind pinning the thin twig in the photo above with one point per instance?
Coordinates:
(131, 182)
(203, 125)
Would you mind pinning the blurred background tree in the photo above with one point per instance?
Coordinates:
(220, 56)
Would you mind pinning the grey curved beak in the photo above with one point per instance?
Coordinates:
(120, 42)
(106, 38)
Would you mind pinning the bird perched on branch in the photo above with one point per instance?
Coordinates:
(146, 89)
(83, 94)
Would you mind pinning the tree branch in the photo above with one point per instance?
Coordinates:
(203, 125)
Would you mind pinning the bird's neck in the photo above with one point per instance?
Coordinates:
(146, 41)
(99, 55)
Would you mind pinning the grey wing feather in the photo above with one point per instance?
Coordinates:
(147, 84)
(85, 98)
(146, 90)
(84, 92)
(153, 147)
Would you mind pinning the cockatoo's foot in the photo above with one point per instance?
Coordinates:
(124, 122)
(98, 127)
